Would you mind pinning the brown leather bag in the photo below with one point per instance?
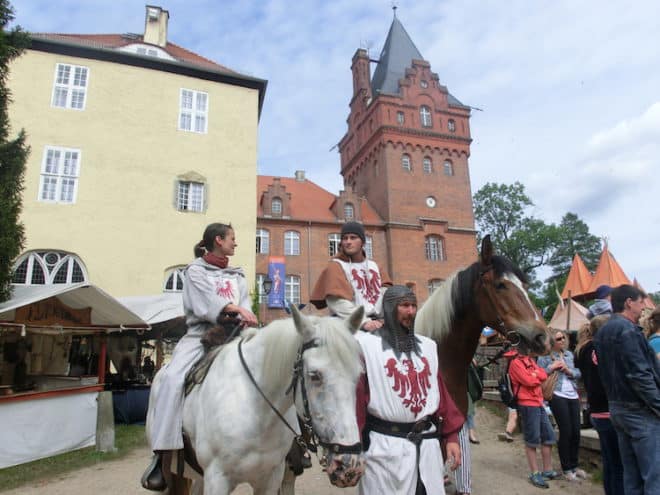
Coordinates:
(548, 386)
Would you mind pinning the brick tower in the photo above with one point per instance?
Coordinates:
(406, 150)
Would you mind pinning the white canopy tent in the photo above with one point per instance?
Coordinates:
(56, 418)
(157, 308)
(106, 310)
(561, 319)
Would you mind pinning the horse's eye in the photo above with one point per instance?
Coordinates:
(316, 377)
(500, 286)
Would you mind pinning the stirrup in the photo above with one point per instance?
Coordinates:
(153, 478)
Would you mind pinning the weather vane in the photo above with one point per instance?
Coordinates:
(394, 7)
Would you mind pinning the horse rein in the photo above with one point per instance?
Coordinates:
(335, 448)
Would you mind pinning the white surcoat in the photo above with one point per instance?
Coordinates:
(366, 281)
(403, 390)
(207, 289)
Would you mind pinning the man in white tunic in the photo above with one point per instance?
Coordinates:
(403, 408)
(351, 280)
(211, 289)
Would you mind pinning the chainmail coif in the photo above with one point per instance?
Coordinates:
(395, 336)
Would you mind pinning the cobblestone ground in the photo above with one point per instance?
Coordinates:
(498, 469)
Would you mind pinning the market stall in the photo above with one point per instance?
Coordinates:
(53, 362)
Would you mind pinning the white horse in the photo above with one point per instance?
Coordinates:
(236, 435)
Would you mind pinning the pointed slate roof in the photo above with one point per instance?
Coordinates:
(397, 55)
(608, 272)
(579, 279)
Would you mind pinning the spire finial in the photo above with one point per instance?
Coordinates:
(394, 7)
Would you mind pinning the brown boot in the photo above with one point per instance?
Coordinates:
(153, 478)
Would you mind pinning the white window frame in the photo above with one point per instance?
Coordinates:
(425, 116)
(261, 293)
(451, 125)
(276, 207)
(434, 284)
(427, 165)
(434, 247)
(177, 276)
(349, 211)
(191, 114)
(70, 86)
(369, 246)
(50, 263)
(334, 243)
(406, 162)
(263, 241)
(291, 243)
(292, 289)
(58, 183)
(400, 117)
(448, 168)
(195, 196)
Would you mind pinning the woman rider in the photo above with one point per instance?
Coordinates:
(211, 288)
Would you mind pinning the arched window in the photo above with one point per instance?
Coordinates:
(263, 241)
(334, 241)
(369, 246)
(276, 207)
(435, 250)
(292, 289)
(291, 243)
(448, 168)
(428, 165)
(451, 125)
(174, 280)
(49, 267)
(406, 163)
(425, 116)
(349, 211)
(434, 284)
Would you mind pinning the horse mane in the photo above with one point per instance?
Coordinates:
(455, 297)
(281, 342)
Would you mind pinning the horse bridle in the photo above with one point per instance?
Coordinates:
(298, 376)
(513, 342)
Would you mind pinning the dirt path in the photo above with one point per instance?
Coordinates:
(498, 468)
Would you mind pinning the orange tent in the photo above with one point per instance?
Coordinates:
(648, 302)
(608, 272)
(579, 279)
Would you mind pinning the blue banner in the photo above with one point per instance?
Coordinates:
(277, 274)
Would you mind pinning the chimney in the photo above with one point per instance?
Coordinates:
(300, 176)
(155, 26)
(361, 74)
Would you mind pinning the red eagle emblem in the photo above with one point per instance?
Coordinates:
(226, 290)
(412, 385)
(368, 287)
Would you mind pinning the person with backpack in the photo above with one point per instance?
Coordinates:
(512, 412)
(526, 378)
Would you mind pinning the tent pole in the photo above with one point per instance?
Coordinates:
(568, 313)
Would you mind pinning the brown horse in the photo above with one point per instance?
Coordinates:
(490, 292)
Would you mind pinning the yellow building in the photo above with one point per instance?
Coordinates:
(136, 145)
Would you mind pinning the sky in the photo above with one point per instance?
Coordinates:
(568, 91)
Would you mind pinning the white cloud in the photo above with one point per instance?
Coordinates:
(569, 89)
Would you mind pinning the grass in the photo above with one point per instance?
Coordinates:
(127, 438)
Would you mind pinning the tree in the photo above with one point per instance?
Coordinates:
(13, 155)
(573, 237)
(501, 210)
